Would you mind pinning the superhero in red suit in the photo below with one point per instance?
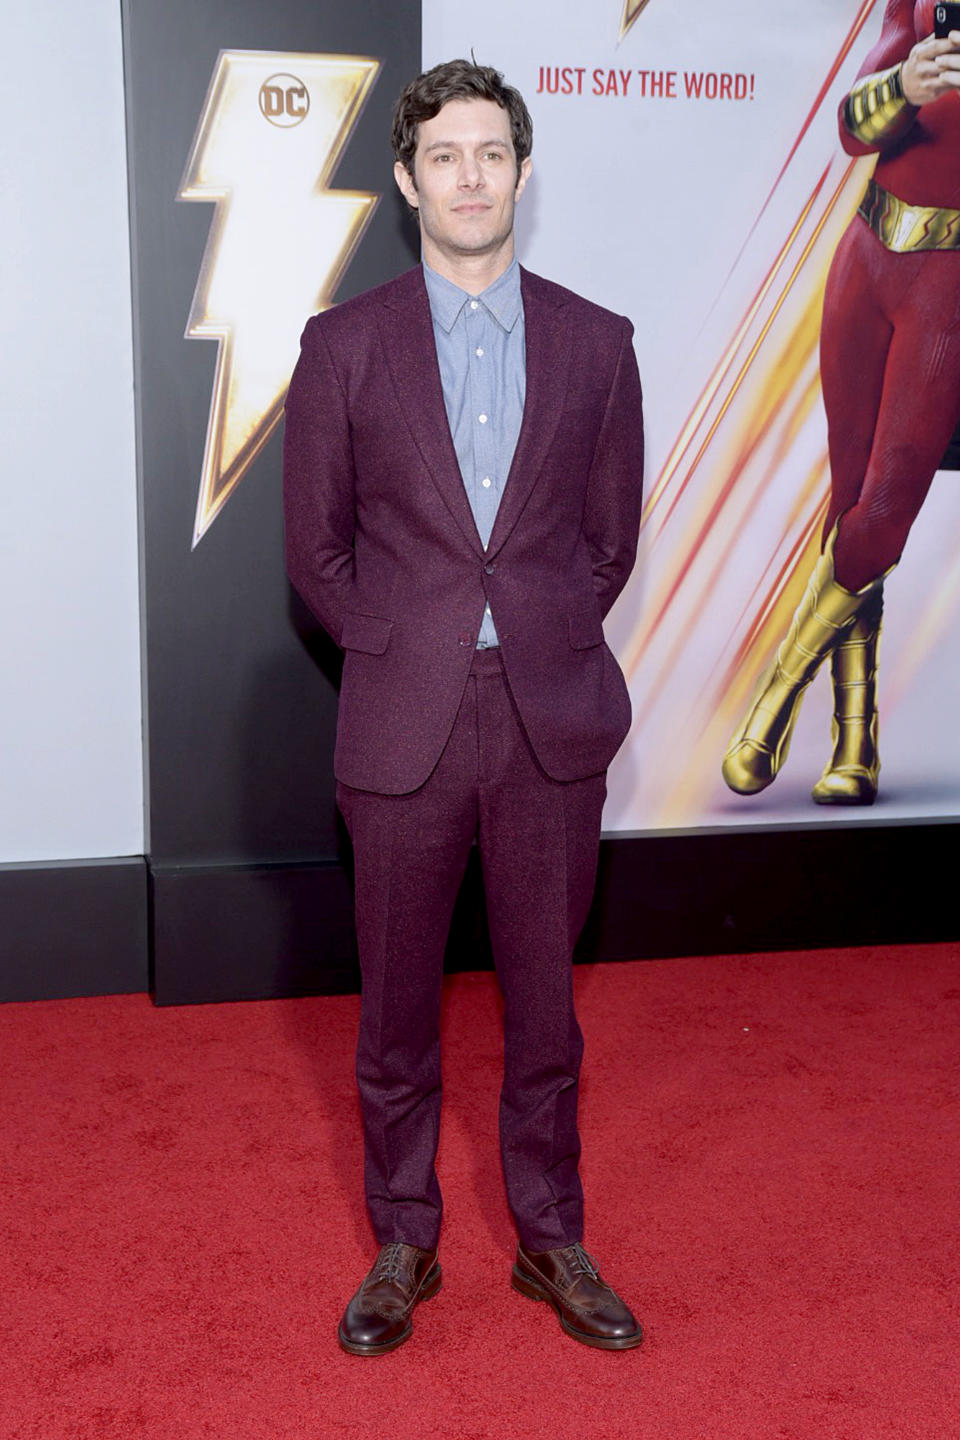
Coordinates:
(890, 369)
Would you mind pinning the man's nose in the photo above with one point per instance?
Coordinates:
(471, 174)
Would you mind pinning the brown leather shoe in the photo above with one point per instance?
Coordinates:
(589, 1310)
(378, 1317)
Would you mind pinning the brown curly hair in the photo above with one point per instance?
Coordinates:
(426, 96)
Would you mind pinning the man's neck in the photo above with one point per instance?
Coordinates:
(473, 273)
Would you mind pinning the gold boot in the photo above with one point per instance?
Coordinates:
(851, 776)
(759, 748)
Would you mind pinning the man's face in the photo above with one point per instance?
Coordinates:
(465, 181)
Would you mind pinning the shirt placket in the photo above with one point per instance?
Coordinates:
(480, 417)
(485, 485)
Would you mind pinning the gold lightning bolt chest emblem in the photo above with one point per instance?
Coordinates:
(270, 137)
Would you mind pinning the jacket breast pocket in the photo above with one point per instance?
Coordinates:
(368, 633)
(586, 628)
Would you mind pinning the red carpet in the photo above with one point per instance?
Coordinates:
(771, 1166)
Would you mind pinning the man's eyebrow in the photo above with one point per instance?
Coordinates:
(455, 145)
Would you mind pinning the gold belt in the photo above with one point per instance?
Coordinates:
(909, 227)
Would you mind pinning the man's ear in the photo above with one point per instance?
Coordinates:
(406, 184)
(526, 166)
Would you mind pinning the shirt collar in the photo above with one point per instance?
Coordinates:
(502, 299)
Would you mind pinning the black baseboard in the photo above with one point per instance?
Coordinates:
(732, 890)
(256, 932)
(73, 927)
(223, 933)
(251, 932)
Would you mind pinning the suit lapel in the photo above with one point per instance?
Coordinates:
(548, 364)
(411, 354)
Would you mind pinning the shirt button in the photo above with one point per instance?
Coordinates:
(482, 419)
(480, 351)
(474, 304)
(486, 482)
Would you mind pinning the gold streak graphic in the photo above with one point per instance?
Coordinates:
(632, 9)
(866, 10)
(712, 388)
(759, 411)
(788, 393)
(783, 376)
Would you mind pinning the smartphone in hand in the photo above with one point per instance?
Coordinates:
(946, 17)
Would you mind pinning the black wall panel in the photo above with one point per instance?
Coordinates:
(240, 683)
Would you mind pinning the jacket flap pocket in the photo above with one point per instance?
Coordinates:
(369, 633)
(586, 628)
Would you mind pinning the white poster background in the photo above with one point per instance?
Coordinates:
(678, 211)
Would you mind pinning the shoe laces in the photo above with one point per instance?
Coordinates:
(391, 1262)
(579, 1261)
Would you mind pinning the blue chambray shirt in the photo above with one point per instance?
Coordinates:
(483, 369)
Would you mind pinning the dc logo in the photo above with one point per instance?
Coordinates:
(284, 100)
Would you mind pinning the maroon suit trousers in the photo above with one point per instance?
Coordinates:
(538, 841)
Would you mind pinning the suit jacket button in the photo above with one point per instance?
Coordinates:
(489, 569)
(465, 639)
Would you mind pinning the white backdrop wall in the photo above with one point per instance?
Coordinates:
(70, 742)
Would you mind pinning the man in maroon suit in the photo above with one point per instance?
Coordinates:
(463, 462)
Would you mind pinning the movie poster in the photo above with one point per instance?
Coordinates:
(688, 173)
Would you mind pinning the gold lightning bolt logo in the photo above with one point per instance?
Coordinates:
(632, 10)
(271, 134)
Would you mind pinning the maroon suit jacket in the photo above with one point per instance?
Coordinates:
(382, 545)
